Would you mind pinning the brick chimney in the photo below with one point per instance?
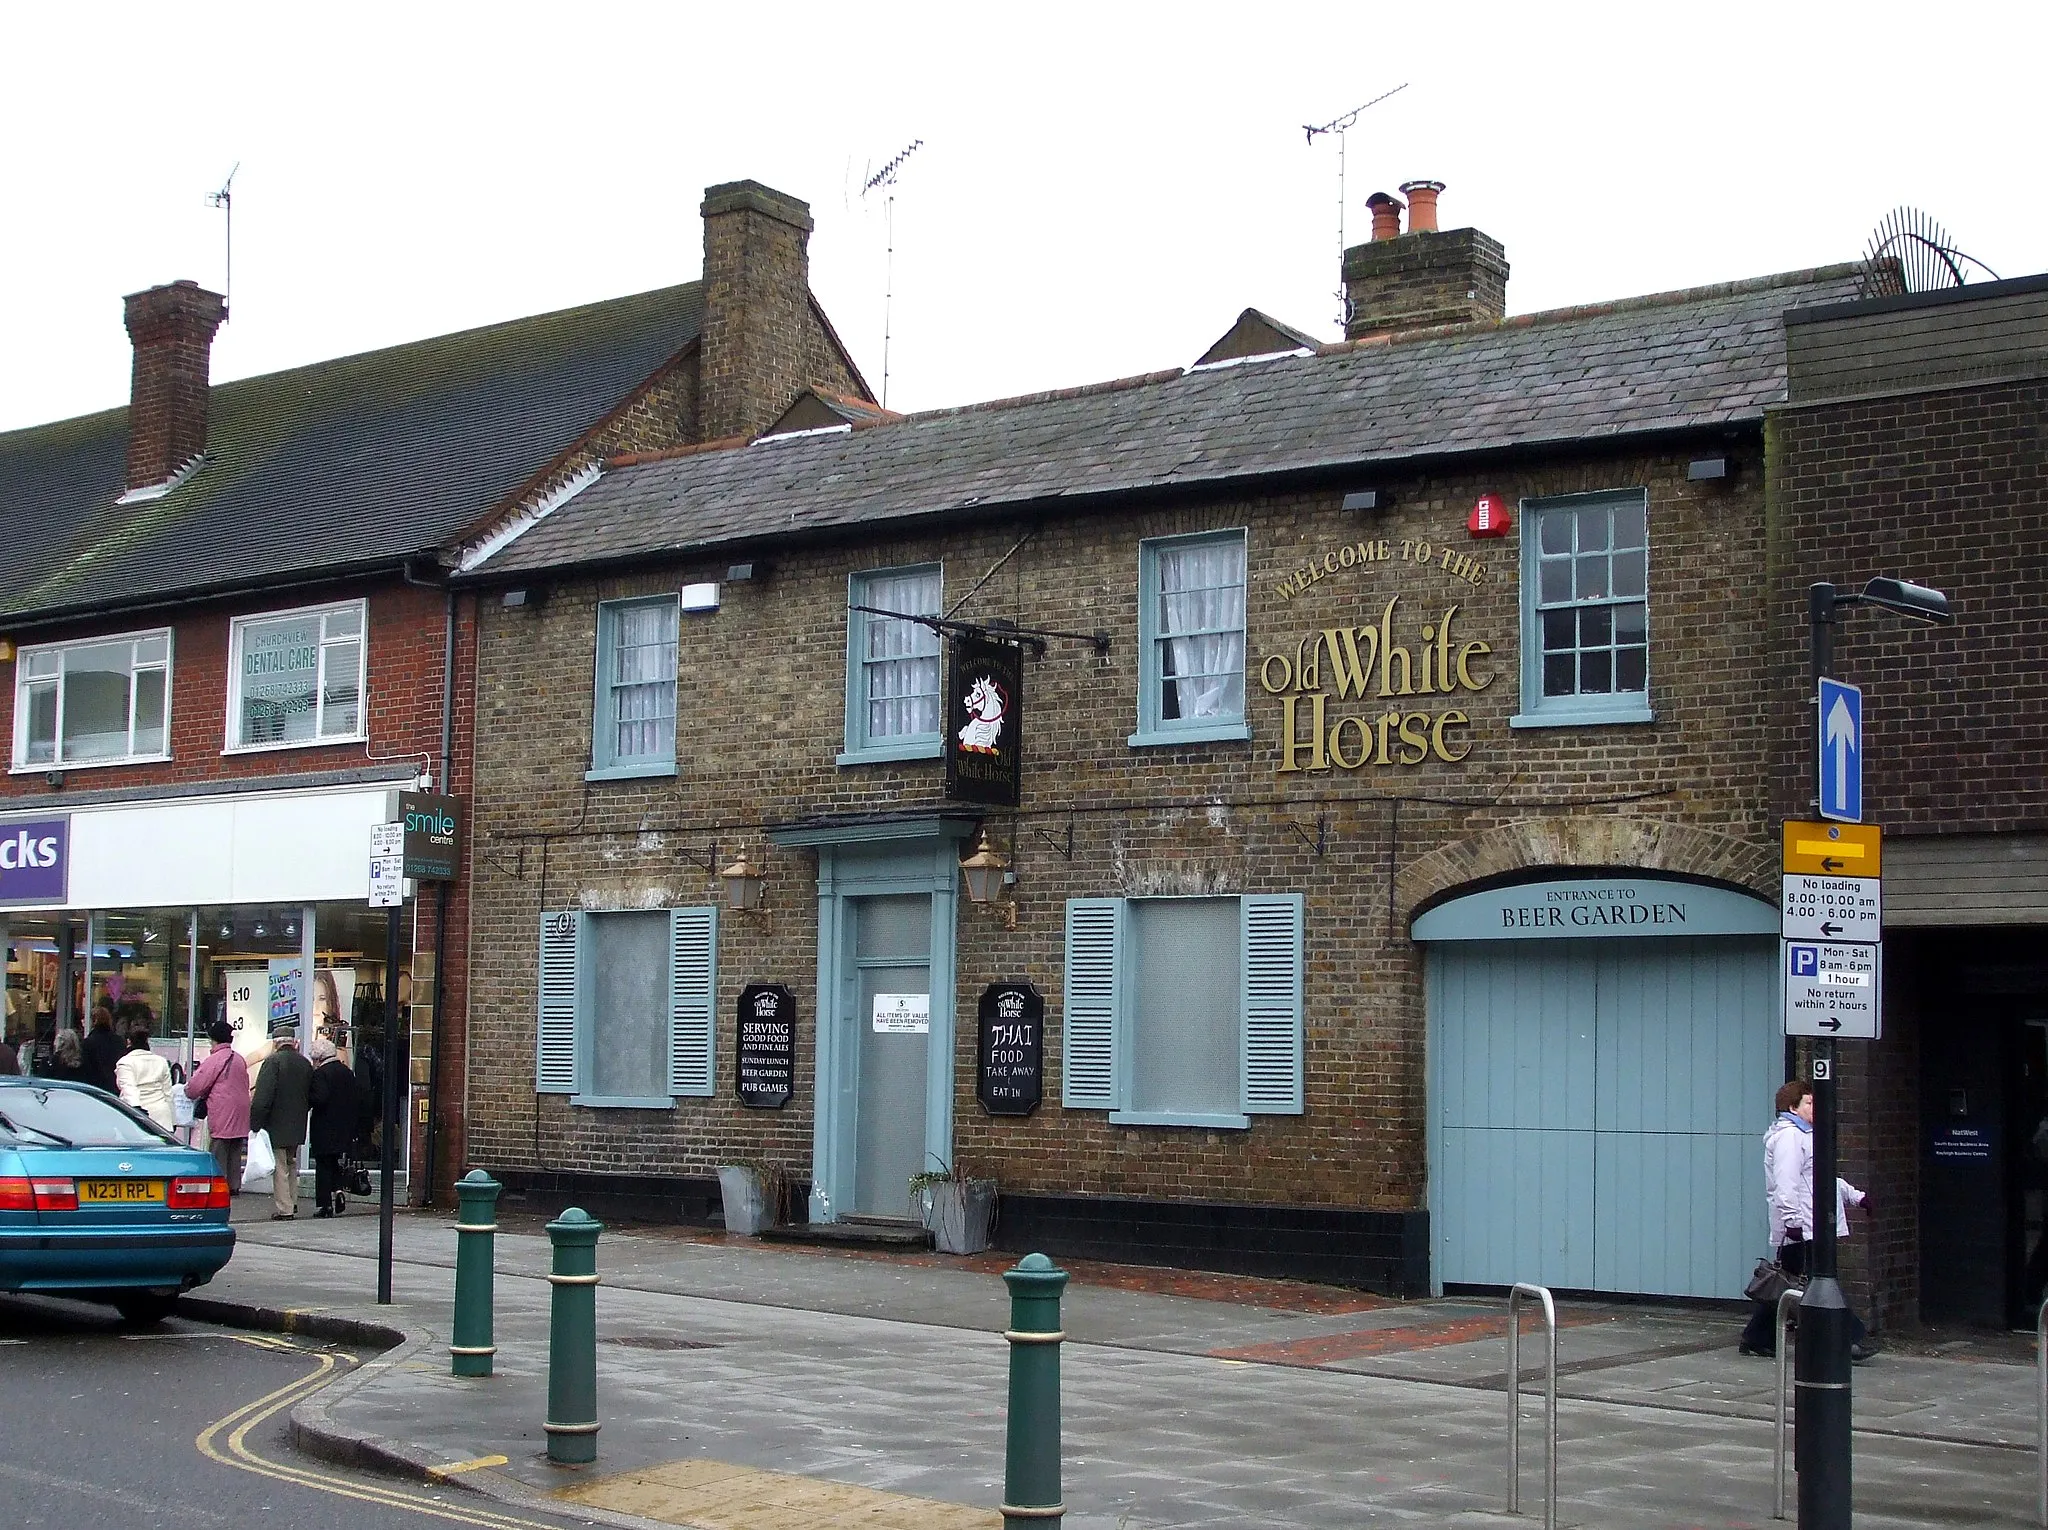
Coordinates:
(172, 328)
(1425, 276)
(756, 308)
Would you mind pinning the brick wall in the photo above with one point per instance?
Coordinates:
(1948, 487)
(760, 720)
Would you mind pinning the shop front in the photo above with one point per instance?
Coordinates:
(248, 907)
(1603, 1047)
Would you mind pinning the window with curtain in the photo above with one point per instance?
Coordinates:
(1586, 613)
(1191, 630)
(892, 670)
(635, 711)
(97, 702)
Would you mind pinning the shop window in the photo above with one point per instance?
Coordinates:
(1191, 639)
(892, 667)
(634, 731)
(296, 677)
(1184, 1011)
(626, 1006)
(101, 702)
(1585, 610)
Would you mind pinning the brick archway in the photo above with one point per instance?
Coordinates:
(1622, 842)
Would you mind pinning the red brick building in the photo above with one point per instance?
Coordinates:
(227, 640)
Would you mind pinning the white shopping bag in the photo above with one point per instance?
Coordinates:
(257, 1172)
(181, 1106)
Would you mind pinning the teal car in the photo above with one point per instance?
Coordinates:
(98, 1201)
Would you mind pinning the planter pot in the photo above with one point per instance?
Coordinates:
(961, 1214)
(745, 1201)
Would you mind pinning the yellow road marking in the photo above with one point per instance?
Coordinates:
(240, 1455)
(456, 1468)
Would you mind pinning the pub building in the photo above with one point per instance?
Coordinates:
(1369, 850)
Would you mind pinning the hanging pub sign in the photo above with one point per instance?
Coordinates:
(433, 835)
(984, 701)
(767, 1050)
(1011, 1078)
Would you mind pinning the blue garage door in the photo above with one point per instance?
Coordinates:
(1597, 1111)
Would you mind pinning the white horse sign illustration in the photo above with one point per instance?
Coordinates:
(984, 753)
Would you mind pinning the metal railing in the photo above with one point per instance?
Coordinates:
(1788, 1302)
(2041, 1407)
(1542, 1294)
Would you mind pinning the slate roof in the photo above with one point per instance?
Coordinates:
(1699, 359)
(355, 463)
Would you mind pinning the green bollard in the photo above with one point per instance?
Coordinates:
(572, 1340)
(476, 1220)
(1031, 1468)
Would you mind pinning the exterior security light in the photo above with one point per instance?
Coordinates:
(1913, 601)
(744, 885)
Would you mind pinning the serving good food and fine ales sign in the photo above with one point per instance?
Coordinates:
(766, 1072)
(1384, 690)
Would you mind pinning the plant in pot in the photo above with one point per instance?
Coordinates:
(751, 1196)
(958, 1211)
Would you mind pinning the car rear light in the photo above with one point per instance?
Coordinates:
(198, 1194)
(16, 1195)
(56, 1194)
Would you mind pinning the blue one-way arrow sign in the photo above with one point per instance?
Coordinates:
(1841, 752)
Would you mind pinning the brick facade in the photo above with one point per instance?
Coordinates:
(760, 721)
(1947, 485)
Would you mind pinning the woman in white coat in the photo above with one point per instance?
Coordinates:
(144, 1079)
(1788, 1188)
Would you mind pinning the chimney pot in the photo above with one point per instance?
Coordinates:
(172, 329)
(1386, 216)
(1421, 197)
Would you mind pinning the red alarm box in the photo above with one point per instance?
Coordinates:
(1490, 518)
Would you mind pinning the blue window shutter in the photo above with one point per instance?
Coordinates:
(692, 1000)
(554, 1065)
(1095, 952)
(1272, 1004)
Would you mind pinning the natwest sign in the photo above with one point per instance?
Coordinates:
(35, 860)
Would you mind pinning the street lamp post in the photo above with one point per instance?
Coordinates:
(1820, 1388)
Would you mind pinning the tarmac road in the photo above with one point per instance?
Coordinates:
(181, 1427)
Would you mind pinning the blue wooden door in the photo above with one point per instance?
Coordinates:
(1597, 1111)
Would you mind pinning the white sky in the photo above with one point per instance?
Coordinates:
(1101, 188)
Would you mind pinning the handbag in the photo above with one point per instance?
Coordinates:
(1770, 1281)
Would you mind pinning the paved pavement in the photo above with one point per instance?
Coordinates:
(739, 1382)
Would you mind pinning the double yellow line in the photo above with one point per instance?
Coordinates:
(226, 1441)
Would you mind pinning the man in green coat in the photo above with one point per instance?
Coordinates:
(284, 1094)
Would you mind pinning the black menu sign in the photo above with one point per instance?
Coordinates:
(1011, 1078)
(767, 1052)
(984, 715)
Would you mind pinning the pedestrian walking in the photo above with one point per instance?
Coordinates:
(1788, 1190)
(143, 1079)
(66, 1061)
(283, 1099)
(219, 1092)
(10, 1060)
(333, 1094)
(103, 1049)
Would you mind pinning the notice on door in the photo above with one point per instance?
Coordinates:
(903, 1014)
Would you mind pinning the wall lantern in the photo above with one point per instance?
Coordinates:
(1489, 518)
(987, 874)
(744, 885)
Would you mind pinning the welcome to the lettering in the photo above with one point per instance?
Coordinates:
(1360, 660)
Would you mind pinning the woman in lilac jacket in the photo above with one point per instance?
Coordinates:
(221, 1082)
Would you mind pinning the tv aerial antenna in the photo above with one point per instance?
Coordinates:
(884, 180)
(224, 199)
(1341, 126)
(1910, 252)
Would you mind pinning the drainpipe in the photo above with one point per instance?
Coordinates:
(441, 898)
